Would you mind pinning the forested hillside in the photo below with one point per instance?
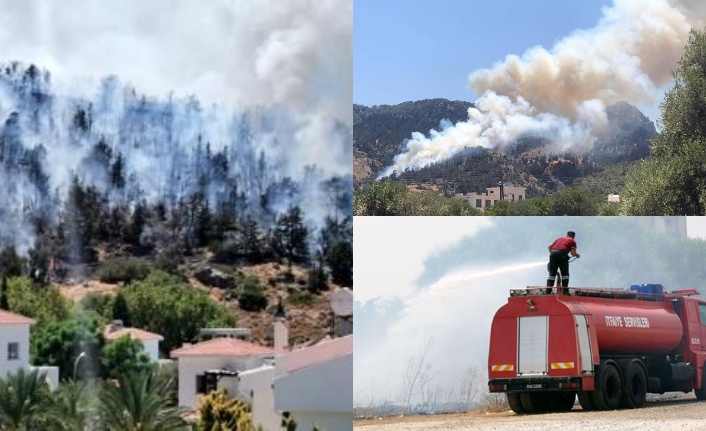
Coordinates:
(380, 133)
(121, 190)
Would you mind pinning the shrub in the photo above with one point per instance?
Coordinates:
(123, 270)
(220, 412)
(252, 297)
(301, 299)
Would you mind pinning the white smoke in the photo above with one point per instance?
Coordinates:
(254, 52)
(248, 78)
(296, 54)
(560, 93)
(456, 313)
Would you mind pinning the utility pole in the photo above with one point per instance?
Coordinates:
(502, 188)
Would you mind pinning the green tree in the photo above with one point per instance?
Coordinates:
(137, 225)
(4, 304)
(252, 297)
(23, 400)
(575, 202)
(60, 343)
(45, 303)
(11, 263)
(674, 181)
(123, 356)
(140, 401)
(340, 260)
(382, 198)
(119, 310)
(163, 304)
(291, 236)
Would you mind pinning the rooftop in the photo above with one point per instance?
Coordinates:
(222, 347)
(8, 318)
(134, 333)
(324, 351)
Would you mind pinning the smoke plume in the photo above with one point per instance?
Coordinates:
(560, 93)
(260, 89)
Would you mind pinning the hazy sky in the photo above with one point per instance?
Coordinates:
(454, 310)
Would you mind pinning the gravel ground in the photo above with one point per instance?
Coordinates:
(681, 412)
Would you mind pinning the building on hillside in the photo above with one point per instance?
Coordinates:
(614, 198)
(485, 200)
(14, 342)
(213, 364)
(150, 340)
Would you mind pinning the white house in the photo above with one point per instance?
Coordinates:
(150, 340)
(14, 342)
(215, 363)
(315, 384)
(255, 387)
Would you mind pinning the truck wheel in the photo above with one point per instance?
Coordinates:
(562, 401)
(701, 393)
(586, 401)
(534, 402)
(608, 397)
(634, 386)
(513, 399)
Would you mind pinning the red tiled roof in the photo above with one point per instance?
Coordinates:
(12, 319)
(222, 347)
(134, 333)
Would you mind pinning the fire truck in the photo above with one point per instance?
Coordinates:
(608, 347)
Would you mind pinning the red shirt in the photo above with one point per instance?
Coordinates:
(564, 243)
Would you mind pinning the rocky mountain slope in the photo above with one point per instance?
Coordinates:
(380, 132)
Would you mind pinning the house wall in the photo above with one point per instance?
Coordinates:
(151, 348)
(256, 389)
(13, 333)
(51, 375)
(191, 366)
(329, 387)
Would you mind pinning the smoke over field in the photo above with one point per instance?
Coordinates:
(561, 93)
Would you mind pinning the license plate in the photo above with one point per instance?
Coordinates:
(535, 386)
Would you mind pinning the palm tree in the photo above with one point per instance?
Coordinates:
(23, 400)
(71, 409)
(140, 401)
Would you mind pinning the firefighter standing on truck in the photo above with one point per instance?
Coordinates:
(559, 251)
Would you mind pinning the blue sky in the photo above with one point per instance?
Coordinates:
(417, 49)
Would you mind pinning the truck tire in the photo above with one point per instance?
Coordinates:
(586, 401)
(608, 397)
(534, 402)
(634, 386)
(513, 399)
(701, 393)
(561, 401)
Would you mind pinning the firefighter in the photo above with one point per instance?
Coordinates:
(559, 251)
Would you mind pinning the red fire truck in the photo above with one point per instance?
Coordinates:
(609, 347)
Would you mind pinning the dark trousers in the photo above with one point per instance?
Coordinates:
(558, 260)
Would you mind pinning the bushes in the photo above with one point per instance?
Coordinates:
(252, 297)
(220, 412)
(123, 270)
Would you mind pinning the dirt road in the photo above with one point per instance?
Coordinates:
(680, 412)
